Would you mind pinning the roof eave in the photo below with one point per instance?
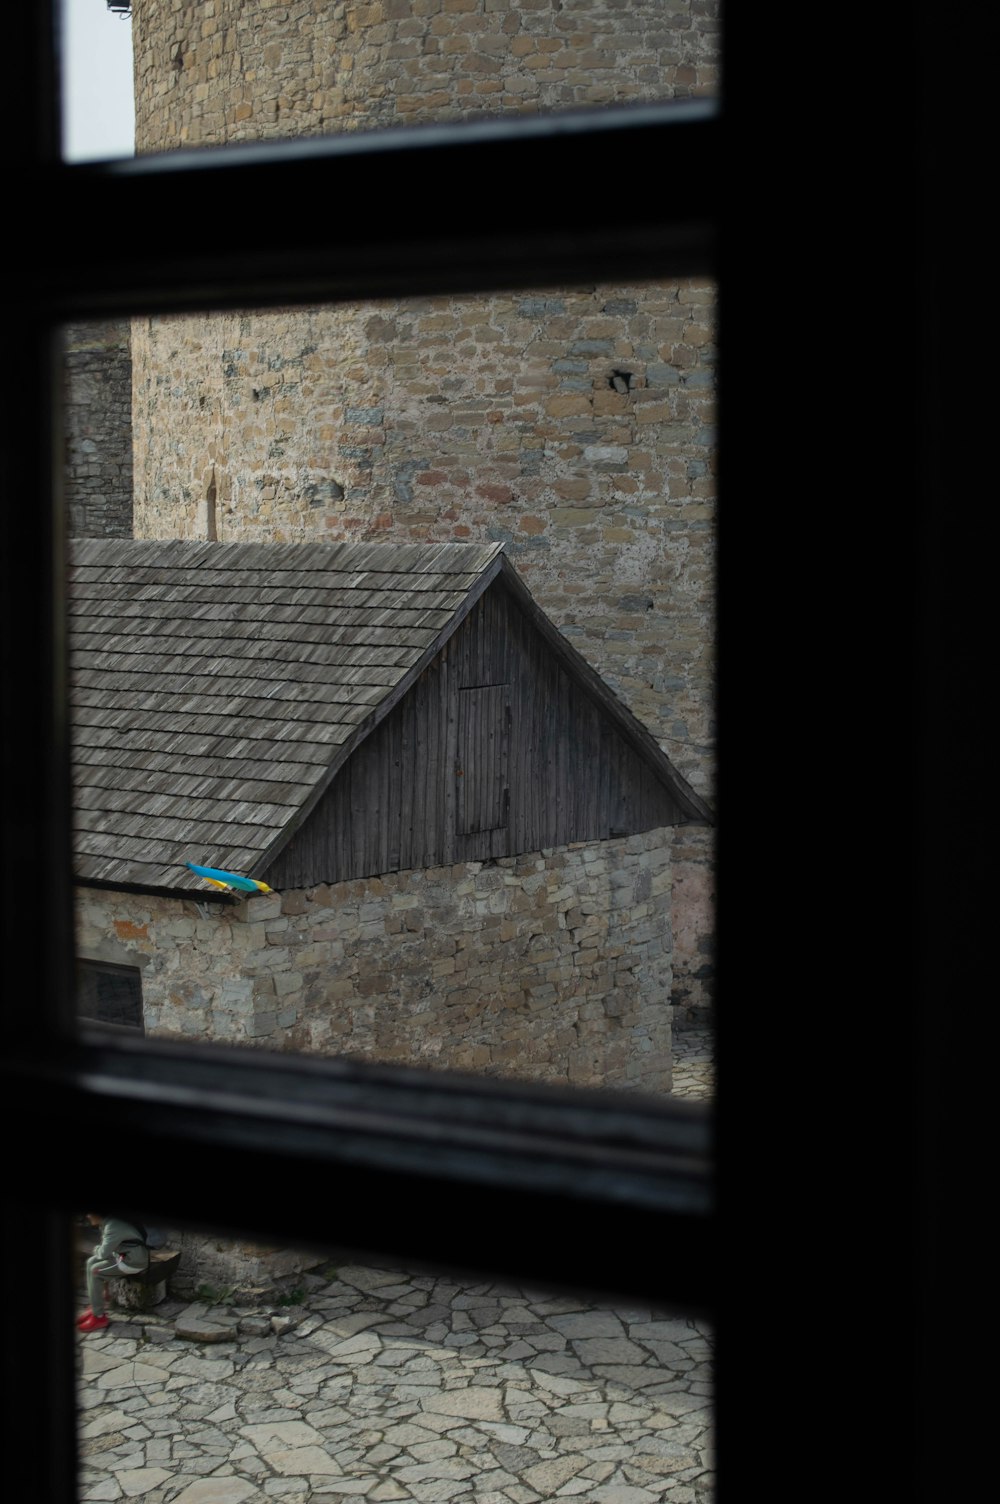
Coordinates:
(197, 895)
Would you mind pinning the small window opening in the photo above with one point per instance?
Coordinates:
(110, 996)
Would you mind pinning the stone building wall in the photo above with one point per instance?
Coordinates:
(97, 409)
(550, 967)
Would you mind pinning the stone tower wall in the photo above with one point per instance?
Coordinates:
(209, 71)
(97, 410)
(574, 424)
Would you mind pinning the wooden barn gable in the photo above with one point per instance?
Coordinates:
(305, 713)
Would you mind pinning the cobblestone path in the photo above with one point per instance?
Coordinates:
(384, 1386)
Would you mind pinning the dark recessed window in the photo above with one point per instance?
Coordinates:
(109, 995)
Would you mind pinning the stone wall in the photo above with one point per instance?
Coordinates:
(97, 412)
(214, 70)
(550, 967)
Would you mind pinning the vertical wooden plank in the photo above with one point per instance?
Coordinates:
(429, 837)
(481, 761)
(374, 815)
(407, 774)
(390, 790)
(342, 824)
(449, 752)
(561, 780)
(604, 784)
(460, 773)
(499, 640)
(539, 833)
(590, 824)
(358, 832)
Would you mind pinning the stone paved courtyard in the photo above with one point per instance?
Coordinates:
(383, 1385)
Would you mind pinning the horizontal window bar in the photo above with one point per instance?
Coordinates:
(470, 1172)
(469, 207)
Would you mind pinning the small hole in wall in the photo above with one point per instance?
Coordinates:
(208, 518)
(620, 381)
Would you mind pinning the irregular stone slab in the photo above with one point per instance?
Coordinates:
(352, 1486)
(302, 1462)
(217, 1491)
(672, 1461)
(98, 1360)
(608, 1350)
(677, 1330)
(112, 1420)
(515, 1351)
(367, 1279)
(623, 1493)
(333, 1415)
(103, 1489)
(680, 1403)
(285, 1433)
(503, 1431)
(139, 1480)
(225, 1411)
(588, 1324)
(546, 1477)
(360, 1349)
(632, 1378)
(667, 1354)
(446, 1468)
(385, 1492)
(556, 1383)
(349, 1324)
(620, 1413)
(472, 1404)
(254, 1326)
(203, 1329)
(407, 1434)
(130, 1374)
(207, 1369)
(428, 1451)
(196, 1311)
(205, 1396)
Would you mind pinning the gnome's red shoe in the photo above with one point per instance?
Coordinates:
(84, 1316)
(91, 1323)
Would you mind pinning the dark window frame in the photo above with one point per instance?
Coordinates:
(88, 968)
(56, 1085)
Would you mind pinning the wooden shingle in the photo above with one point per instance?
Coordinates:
(218, 690)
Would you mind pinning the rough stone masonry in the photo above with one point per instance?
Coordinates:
(555, 966)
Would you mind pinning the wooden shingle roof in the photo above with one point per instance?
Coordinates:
(212, 685)
(216, 688)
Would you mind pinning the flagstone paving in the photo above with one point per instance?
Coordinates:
(384, 1385)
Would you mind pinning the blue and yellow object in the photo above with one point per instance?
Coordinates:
(230, 880)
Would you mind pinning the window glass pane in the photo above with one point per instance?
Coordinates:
(233, 1380)
(98, 103)
(512, 871)
(499, 882)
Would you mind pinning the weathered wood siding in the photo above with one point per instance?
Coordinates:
(495, 751)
